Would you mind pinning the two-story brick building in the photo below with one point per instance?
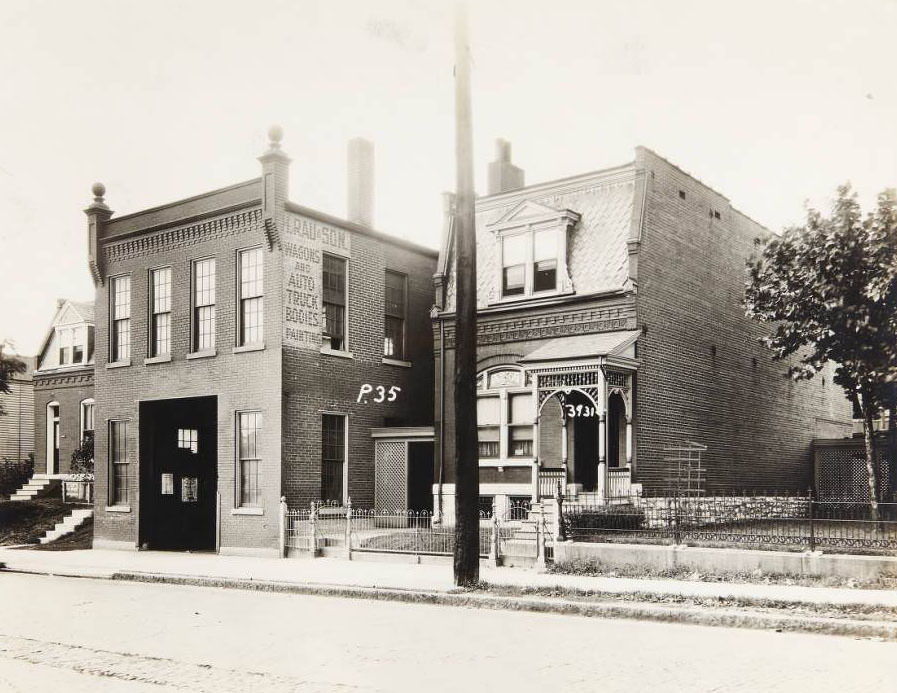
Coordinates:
(611, 326)
(64, 403)
(235, 334)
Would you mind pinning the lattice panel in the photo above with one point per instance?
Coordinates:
(391, 476)
(841, 473)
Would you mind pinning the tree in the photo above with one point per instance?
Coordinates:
(830, 287)
(9, 366)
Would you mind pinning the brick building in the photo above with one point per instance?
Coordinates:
(610, 326)
(64, 405)
(236, 332)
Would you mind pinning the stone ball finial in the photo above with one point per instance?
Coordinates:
(98, 190)
(275, 134)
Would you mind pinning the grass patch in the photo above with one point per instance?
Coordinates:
(596, 568)
(25, 522)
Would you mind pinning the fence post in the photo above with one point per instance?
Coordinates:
(312, 525)
(494, 546)
(349, 529)
(540, 540)
(677, 532)
(283, 526)
(812, 523)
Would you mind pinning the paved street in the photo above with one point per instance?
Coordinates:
(80, 634)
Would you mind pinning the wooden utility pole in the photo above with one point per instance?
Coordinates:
(467, 483)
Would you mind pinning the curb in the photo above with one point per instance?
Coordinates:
(727, 618)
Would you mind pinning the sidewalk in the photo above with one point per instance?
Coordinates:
(335, 572)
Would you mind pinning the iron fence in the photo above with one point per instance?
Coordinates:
(779, 521)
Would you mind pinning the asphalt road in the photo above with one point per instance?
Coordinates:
(90, 635)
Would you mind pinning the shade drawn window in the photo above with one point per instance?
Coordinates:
(249, 426)
(489, 426)
(188, 439)
(204, 304)
(333, 456)
(334, 287)
(87, 420)
(53, 435)
(252, 296)
(394, 318)
(65, 346)
(160, 300)
(520, 425)
(513, 257)
(120, 293)
(545, 260)
(118, 462)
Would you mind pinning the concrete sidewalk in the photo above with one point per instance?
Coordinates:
(336, 572)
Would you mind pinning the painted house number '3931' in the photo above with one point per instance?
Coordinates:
(382, 393)
(580, 410)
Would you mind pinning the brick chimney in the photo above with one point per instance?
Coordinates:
(98, 213)
(503, 175)
(360, 202)
(275, 184)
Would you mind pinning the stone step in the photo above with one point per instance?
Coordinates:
(68, 525)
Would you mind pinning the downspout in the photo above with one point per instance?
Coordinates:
(441, 417)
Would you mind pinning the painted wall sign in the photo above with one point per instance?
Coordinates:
(304, 243)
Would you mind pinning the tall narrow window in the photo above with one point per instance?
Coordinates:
(489, 426)
(394, 327)
(65, 346)
(513, 258)
(333, 456)
(87, 418)
(520, 425)
(160, 334)
(78, 341)
(120, 289)
(204, 304)
(118, 462)
(251, 296)
(53, 438)
(334, 284)
(249, 426)
(545, 260)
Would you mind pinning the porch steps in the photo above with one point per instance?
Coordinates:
(71, 522)
(38, 486)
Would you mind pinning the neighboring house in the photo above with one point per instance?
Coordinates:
(242, 341)
(64, 388)
(611, 326)
(17, 419)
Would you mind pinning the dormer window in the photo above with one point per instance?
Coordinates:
(532, 242)
(72, 345)
(529, 262)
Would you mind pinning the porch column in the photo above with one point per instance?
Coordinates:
(602, 458)
(537, 457)
(564, 453)
(628, 440)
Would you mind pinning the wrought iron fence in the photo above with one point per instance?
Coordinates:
(780, 521)
(408, 531)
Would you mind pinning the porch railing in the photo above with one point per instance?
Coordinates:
(77, 491)
(551, 479)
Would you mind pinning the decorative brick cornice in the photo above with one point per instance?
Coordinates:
(180, 236)
(548, 325)
(63, 379)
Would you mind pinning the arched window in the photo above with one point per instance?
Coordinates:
(53, 438)
(505, 414)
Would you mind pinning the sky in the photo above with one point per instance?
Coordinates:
(773, 104)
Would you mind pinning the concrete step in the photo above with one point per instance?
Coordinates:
(68, 525)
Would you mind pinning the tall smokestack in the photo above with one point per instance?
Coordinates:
(503, 175)
(360, 205)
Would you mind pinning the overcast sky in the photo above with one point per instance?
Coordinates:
(771, 103)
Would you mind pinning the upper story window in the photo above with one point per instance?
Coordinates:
(120, 310)
(395, 300)
(252, 296)
(334, 287)
(160, 302)
(529, 262)
(203, 317)
(72, 345)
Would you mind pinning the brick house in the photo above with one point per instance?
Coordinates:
(610, 326)
(236, 332)
(64, 405)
